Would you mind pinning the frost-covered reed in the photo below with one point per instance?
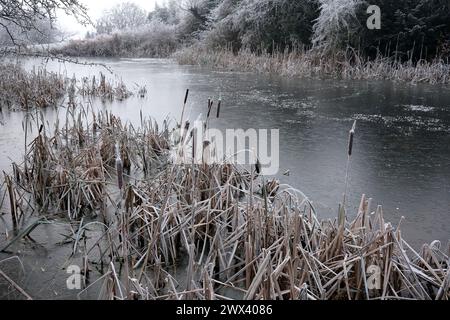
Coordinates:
(38, 88)
(311, 63)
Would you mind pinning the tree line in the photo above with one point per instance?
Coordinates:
(411, 30)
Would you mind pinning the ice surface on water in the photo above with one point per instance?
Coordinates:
(419, 108)
(402, 144)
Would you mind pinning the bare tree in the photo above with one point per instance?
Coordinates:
(199, 8)
(124, 16)
(167, 13)
(36, 17)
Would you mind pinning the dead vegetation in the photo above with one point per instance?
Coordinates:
(201, 231)
(25, 90)
(312, 64)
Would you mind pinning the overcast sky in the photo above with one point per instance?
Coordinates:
(96, 8)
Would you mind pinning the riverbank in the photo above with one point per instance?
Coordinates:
(154, 41)
(293, 63)
(309, 64)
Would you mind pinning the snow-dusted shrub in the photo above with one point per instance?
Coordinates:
(262, 24)
(222, 30)
(154, 39)
(336, 24)
(194, 18)
(123, 16)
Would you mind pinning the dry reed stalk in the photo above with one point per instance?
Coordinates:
(347, 172)
(297, 62)
(15, 286)
(12, 201)
(119, 168)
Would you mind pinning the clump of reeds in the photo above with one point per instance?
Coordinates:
(104, 89)
(142, 91)
(69, 173)
(204, 231)
(39, 88)
(25, 90)
(310, 63)
(240, 245)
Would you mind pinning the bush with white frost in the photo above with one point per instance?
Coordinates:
(124, 16)
(336, 24)
(222, 30)
(262, 24)
(155, 39)
(411, 29)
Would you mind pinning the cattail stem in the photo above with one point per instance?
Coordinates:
(119, 168)
(184, 107)
(218, 108)
(12, 201)
(349, 153)
(210, 105)
(351, 139)
(186, 96)
(194, 145)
